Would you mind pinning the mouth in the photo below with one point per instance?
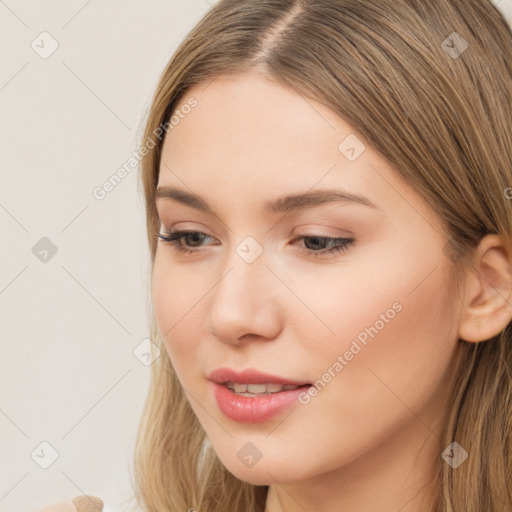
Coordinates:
(254, 390)
(255, 402)
(253, 380)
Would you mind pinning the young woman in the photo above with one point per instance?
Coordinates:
(328, 187)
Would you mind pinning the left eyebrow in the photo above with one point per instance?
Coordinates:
(284, 204)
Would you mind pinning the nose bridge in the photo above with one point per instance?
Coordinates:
(243, 274)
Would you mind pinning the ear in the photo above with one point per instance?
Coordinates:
(487, 307)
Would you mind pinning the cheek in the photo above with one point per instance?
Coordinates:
(400, 375)
(392, 350)
(177, 308)
(387, 291)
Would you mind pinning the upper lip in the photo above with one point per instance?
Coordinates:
(250, 376)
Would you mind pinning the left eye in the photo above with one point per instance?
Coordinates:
(334, 245)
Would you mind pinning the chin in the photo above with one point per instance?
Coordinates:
(264, 472)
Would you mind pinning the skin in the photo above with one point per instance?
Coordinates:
(370, 438)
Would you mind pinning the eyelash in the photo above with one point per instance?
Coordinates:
(174, 238)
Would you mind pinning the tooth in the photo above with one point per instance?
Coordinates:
(256, 388)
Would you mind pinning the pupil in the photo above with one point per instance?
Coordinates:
(194, 235)
(315, 238)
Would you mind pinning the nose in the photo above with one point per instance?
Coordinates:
(244, 303)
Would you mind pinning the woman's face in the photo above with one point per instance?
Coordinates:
(372, 324)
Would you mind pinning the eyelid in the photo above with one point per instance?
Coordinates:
(185, 226)
(316, 230)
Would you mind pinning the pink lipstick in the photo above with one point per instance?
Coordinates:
(251, 396)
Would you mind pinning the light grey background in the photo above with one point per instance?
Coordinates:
(69, 325)
(68, 375)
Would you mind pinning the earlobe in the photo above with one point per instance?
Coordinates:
(487, 308)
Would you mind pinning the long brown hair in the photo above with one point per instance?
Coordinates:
(426, 83)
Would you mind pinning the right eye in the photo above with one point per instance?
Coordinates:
(175, 238)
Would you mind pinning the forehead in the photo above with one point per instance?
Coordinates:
(249, 137)
(254, 127)
(252, 119)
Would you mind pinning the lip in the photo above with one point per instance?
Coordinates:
(250, 376)
(246, 409)
(257, 409)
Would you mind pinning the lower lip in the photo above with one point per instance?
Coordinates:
(249, 409)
